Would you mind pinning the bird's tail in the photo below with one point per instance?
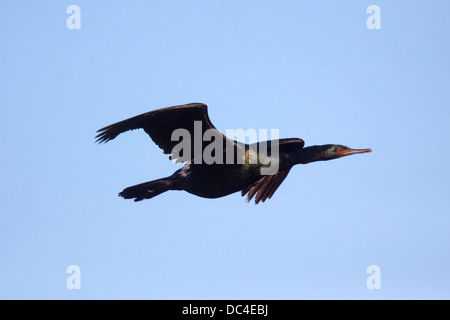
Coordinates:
(147, 190)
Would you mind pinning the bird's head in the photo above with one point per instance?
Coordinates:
(334, 151)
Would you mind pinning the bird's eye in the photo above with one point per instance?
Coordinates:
(339, 149)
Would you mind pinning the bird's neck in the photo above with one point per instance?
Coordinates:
(308, 154)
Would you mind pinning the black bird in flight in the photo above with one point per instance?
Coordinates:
(237, 166)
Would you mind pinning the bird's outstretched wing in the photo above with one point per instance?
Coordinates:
(160, 124)
(265, 187)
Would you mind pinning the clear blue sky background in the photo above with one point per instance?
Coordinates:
(309, 68)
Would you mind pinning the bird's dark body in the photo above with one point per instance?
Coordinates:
(213, 181)
(219, 178)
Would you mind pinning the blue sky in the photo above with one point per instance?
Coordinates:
(311, 69)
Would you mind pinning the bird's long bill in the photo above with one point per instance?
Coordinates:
(354, 151)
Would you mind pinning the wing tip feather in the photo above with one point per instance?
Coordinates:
(265, 187)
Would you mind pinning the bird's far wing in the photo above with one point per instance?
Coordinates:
(284, 145)
(265, 187)
(160, 124)
(290, 145)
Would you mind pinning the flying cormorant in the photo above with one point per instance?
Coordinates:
(216, 166)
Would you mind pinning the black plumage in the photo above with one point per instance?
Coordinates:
(241, 172)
